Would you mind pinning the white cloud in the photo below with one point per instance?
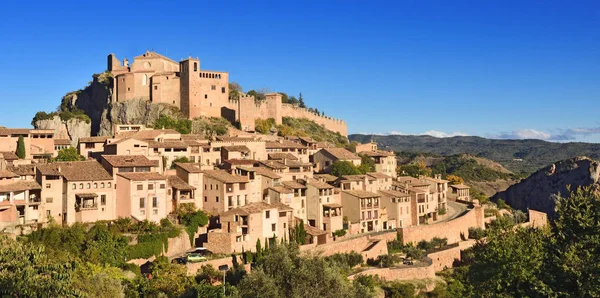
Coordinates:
(441, 134)
(520, 134)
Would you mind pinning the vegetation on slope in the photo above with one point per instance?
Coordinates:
(519, 156)
(560, 261)
(300, 127)
(207, 126)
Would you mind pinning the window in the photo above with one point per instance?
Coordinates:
(80, 185)
(154, 202)
(273, 227)
(48, 213)
(140, 187)
(102, 185)
(103, 200)
(213, 87)
(89, 145)
(150, 186)
(217, 186)
(162, 186)
(95, 185)
(205, 96)
(144, 80)
(267, 214)
(222, 89)
(88, 185)
(108, 185)
(217, 199)
(284, 225)
(142, 203)
(74, 186)
(155, 87)
(205, 199)
(35, 207)
(155, 211)
(48, 185)
(49, 200)
(204, 186)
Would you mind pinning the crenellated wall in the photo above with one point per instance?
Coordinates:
(246, 110)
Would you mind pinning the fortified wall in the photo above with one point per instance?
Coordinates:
(246, 110)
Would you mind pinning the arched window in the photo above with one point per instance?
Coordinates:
(108, 185)
(195, 66)
(95, 185)
(80, 185)
(102, 185)
(144, 80)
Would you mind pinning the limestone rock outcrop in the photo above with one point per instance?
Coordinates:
(72, 129)
(539, 190)
(135, 111)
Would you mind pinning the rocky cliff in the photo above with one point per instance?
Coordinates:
(538, 191)
(71, 129)
(95, 101)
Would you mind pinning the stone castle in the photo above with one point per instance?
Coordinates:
(197, 92)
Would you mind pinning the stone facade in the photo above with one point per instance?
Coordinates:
(158, 79)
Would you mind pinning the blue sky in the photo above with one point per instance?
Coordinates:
(504, 69)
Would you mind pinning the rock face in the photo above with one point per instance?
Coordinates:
(538, 190)
(136, 111)
(95, 101)
(72, 129)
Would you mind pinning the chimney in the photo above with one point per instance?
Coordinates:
(59, 169)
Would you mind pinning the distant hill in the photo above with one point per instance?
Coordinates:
(538, 190)
(518, 156)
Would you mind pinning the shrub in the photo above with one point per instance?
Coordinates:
(350, 259)
(339, 233)
(476, 233)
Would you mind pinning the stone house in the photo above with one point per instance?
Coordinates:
(243, 226)
(19, 200)
(323, 208)
(460, 192)
(180, 192)
(324, 158)
(92, 146)
(398, 206)
(223, 191)
(385, 162)
(39, 143)
(143, 196)
(362, 208)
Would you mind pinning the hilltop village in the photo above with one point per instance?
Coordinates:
(252, 187)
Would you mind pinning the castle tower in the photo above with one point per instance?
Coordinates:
(273, 101)
(189, 87)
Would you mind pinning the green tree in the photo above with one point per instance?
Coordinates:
(300, 233)
(183, 126)
(98, 281)
(301, 101)
(284, 97)
(26, 271)
(258, 284)
(21, 148)
(234, 90)
(367, 164)
(181, 159)
(342, 167)
(573, 269)
(68, 154)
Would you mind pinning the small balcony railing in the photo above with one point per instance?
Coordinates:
(84, 207)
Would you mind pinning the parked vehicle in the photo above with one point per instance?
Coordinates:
(195, 258)
(407, 261)
(180, 260)
(200, 250)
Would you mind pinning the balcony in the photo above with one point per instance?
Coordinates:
(35, 200)
(86, 206)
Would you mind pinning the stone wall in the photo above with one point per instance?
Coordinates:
(408, 273)
(450, 229)
(445, 258)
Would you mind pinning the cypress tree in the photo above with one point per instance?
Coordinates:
(21, 148)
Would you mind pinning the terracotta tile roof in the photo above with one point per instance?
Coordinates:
(378, 153)
(190, 167)
(361, 193)
(282, 207)
(434, 180)
(11, 131)
(356, 177)
(87, 195)
(340, 153)
(123, 140)
(318, 184)
(393, 193)
(98, 139)
(119, 161)
(142, 176)
(412, 181)
(333, 205)
(7, 174)
(64, 142)
(194, 137)
(234, 139)
(282, 155)
(75, 170)
(7, 155)
(310, 230)
(293, 185)
(307, 139)
(20, 185)
(23, 170)
(267, 173)
(237, 148)
(325, 145)
(284, 144)
(325, 177)
(281, 189)
(178, 183)
(273, 164)
(148, 134)
(240, 161)
(168, 144)
(377, 175)
(460, 186)
(295, 163)
(250, 209)
(225, 177)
